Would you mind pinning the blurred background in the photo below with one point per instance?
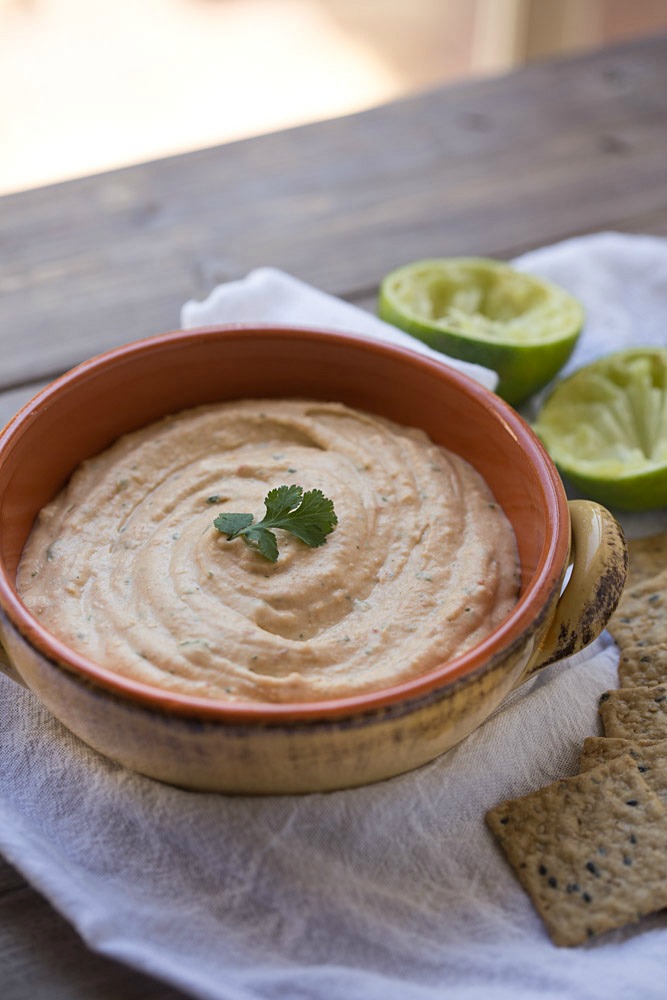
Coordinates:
(88, 85)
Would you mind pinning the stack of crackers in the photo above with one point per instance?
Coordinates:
(591, 850)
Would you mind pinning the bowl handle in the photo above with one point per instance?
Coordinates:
(599, 562)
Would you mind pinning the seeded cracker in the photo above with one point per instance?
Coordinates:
(642, 665)
(638, 713)
(650, 759)
(642, 613)
(590, 850)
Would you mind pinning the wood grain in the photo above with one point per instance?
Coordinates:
(491, 167)
(41, 956)
(494, 167)
(13, 399)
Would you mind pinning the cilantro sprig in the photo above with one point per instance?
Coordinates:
(309, 516)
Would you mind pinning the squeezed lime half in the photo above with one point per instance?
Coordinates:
(606, 429)
(484, 311)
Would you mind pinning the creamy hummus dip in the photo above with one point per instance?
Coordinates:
(127, 568)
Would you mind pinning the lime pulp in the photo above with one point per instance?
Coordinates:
(484, 311)
(605, 427)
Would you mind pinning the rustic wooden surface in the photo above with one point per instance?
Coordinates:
(488, 168)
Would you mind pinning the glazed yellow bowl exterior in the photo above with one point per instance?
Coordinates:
(265, 748)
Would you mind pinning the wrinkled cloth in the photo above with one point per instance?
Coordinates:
(271, 296)
(395, 891)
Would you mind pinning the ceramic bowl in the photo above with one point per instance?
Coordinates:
(280, 748)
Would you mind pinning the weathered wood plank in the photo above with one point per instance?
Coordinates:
(489, 167)
(42, 956)
(10, 879)
(652, 224)
(12, 400)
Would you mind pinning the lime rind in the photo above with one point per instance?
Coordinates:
(605, 427)
(484, 311)
(476, 297)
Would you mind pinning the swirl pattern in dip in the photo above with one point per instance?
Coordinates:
(126, 567)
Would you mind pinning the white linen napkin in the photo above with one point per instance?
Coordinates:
(271, 296)
(395, 891)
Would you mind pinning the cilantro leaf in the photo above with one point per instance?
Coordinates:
(263, 540)
(311, 521)
(281, 501)
(308, 516)
(232, 524)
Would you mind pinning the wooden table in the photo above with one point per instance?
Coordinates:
(492, 167)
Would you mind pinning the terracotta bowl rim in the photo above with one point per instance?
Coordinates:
(498, 643)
